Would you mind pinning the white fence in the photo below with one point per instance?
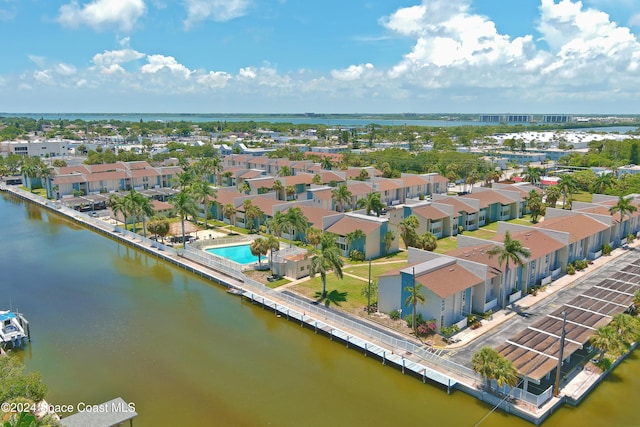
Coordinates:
(517, 393)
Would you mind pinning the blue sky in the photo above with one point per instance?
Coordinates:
(289, 56)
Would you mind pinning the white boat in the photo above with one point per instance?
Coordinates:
(11, 330)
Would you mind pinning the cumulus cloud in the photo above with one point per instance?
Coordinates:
(353, 72)
(110, 62)
(160, 63)
(100, 15)
(216, 10)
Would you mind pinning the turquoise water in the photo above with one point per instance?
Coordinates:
(239, 253)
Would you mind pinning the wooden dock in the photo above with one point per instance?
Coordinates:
(368, 348)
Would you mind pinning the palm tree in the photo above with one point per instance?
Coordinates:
(317, 179)
(568, 187)
(313, 236)
(354, 236)
(602, 183)
(636, 301)
(388, 239)
(533, 175)
(535, 205)
(252, 213)
(363, 175)
(505, 373)
(258, 248)
(204, 193)
(627, 327)
(325, 259)
(245, 187)
(229, 211)
(284, 171)
(341, 196)
(327, 164)
(273, 244)
(184, 179)
(510, 251)
(493, 366)
(117, 205)
(606, 340)
(624, 207)
(552, 194)
(408, 229)
(184, 205)
(371, 203)
(140, 206)
(289, 190)
(294, 221)
(278, 188)
(159, 227)
(415, 297)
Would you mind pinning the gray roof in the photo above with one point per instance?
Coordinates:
(108, 414)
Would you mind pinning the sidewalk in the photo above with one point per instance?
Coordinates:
(468, 335)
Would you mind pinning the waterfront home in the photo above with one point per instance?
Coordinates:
(582, 234)
(495, 205)
(374, 229)
(448, 285)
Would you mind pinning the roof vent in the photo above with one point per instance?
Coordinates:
(451, 269)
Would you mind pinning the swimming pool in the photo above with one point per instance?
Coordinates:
(238, 253)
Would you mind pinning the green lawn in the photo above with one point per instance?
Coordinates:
(376, 270)
(581, 196)
(353, 287)
(446, 244)
(480, 233)
(277, 283)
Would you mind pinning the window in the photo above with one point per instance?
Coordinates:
(443, 305)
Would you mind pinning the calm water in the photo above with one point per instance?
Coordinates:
(238, 253)
(108, 321)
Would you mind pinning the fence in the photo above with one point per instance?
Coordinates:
(222, 241)
(517, 393)
(212, 261)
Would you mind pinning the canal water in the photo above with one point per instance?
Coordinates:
(109, 321)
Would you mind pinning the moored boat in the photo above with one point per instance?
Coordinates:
(11, 328)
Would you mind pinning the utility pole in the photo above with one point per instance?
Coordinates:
(556, 387)
(369, 291)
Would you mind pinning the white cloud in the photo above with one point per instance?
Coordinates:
(100, 15)
(214, 79)
(110, 62)
(248, 73)
(216, 10)
(161, 63)
(353, 72)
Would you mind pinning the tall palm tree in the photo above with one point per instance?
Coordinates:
(258, 248)
(602, 183)
(117, 205)
(552, 195)
(415, 297)
(278, 188)
(140, 207)
(511, 250)
(184, 179)
(289, 190)
(624, 207)
(533, 175)
(568, 187)
(371, 203)
(313, 236)
(273, 244)
(251, 213)
(294, 221)
(204, 194)
(341, 196)
(326, 163)
(184, 205)
(229, 211)
(325, 259)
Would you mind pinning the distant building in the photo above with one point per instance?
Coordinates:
(557, 118)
